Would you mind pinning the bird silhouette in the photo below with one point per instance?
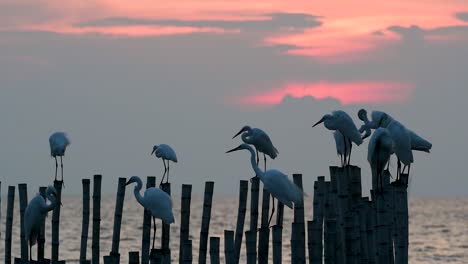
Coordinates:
(275, 182)
(35, 214)
(342, 146)
(166, 153)
(380, 149)
(58, 142)
(156, 201)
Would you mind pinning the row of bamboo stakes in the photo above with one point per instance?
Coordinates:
(346, 227)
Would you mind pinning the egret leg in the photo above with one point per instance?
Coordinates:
(154, 230)
(257, 156)
(167, 177)
(398, 169)
(409, 167)
(341, 159)
(345, 152)
(30, 252)
(272, 211)
(350, 148)
(264, 160)
(61, 165)
(56, 167)
(164, 174)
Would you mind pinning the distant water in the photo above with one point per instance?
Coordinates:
(438, 228)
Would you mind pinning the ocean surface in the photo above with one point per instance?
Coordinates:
(438, 228)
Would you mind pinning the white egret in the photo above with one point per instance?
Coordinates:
(342, 146)
(380, 149)
(260, 140)
(276, 182)
(417, 143)
(35, 214)
(58, 144)
(156, 201)
(342, 122)
(401, 143)
(166, 153)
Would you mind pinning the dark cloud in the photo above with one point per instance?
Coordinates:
(378, 33)
(463, 16)
(277, 21)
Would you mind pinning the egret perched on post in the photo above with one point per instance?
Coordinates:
(342, 146)
(166, 153)
(260, 140)
(276, 182)
(35, 214)
(58, 144)
(156, 201)
(379, 150)
(342, 122)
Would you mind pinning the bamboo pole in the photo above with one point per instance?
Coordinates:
(362, 211)
(229, 246)
(184, 218)
(214, 250)
(318, 207)
(119, 203)
(23, 199)
(165, 237)
(401, 216)
(339, 183)
(254, 197)
(95, 245)
(207, 201)
(277, 232)
(314, 231)
(146, 232)
(382, 231)
(156, 256)
(330, 241)
(133, 257)
(41, 237)
(263, 238)
(243, 191)
(56, 223)
(251, 246)
(9, 223)
(187, 257)
(300, 248)
(85, 221)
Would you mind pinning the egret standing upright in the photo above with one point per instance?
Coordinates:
(58, 144)
(342, 146)
(260, 140)
(379, 150)
(156, 201)
(276, 182)
(35, 214)
(342, 122)
(166, 153)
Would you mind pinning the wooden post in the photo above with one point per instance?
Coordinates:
(254, 197)
(95, 245)
(41, 237)
(362, 212)
(119, 203)
(382, 225)
(205, 226)
(9, 223)
(251, 246)
(165, 237)
(229, 246)
(146, 232)
(184, 218)
(243, 190)
(299, 249)
(330, 241)
(187, 257)
(85, 221)
(401, 217)
(23, 198)
(156, 256)
(214, 250)
(133, 257)
(277, 233)
(263, 238)
(314, 231)
(339, 182)
(56, 223)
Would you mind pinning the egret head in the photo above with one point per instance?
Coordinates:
(240, 147)
(244, 129)
(325, 118)
(51, 191)
(362, 114)
(132, 180)
(154, 149)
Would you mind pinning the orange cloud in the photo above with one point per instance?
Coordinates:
(346, 93)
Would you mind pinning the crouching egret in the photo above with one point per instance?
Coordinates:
(58, 142)
(276, 182)
(156, 201)
(379, 150)
(342, 122)
(260, 140)
(35, 214)
(166, 153)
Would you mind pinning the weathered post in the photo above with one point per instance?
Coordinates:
(298, 251)
(243, 190)
(214, 250)
(146, 232)
(133, 257)
(339, 184)
(56, 223)
(263, 238)
(229, 246)
(187, 256)
(277, 234)
(383, 228)
(362, 211)
(95, 244)
(165, 237)
(85, 221)
(315, 237)
(41, 237)
(401, 217)
(9, 223)
(119, 203)
(205, 226)
(184, 218)
(251, 246)
(254, 197)
(330, 242)
(23, 199)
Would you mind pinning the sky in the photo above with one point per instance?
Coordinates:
(122, 76)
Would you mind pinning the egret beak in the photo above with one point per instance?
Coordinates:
(234, 149)
(152, 152)
(365, 136)
(238, 133)
(128, 182)
(321, 120)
